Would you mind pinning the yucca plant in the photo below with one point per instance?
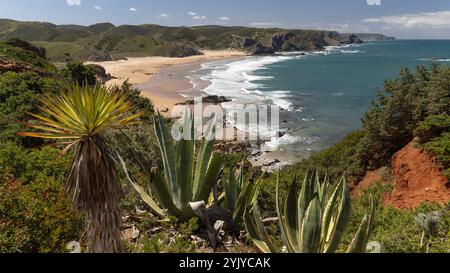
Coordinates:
(313, 220)
(77, 118)
(239, 193)
(189, 174)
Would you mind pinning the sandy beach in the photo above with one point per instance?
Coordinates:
(162, 79)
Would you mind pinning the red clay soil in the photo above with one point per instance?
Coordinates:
(371, 178)
(417, 179)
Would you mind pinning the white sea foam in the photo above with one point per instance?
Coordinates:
(239, 81)
(276, 142)
(435, 60)
(343, 51)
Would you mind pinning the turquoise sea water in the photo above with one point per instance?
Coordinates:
(324, 94)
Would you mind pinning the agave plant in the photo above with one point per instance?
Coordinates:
(239, 193)
(77, 118)
(312, 220)
(189, 174)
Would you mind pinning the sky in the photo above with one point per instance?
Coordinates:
(400, 18)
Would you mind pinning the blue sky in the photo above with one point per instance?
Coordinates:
(401, 18)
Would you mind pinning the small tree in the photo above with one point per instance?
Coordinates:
(78, 118)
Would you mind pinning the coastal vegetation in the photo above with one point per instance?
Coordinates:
(312, 220)
(413, 105)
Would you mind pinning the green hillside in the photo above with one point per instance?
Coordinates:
(105, 41)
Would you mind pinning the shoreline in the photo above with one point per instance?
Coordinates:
(163, 79)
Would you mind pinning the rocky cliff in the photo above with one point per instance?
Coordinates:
(292, 41)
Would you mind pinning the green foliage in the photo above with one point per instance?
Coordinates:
(405, 102)
(173, 238)
(434, 136)
(19, 94)
(440, 148)
(239, 193)
(432, 127)
(189, 172)
(140, 103)
(312, 220)
(80, 73)
(25, 56)
(35, 216)
(397, 230)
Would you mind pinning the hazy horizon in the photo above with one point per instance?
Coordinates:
(417, 19)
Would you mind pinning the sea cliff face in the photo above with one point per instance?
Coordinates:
(294, 41)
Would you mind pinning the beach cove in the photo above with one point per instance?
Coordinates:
(162, 79)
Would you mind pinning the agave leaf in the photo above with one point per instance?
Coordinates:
(230, 188)
(323, 194)
(246, 195)
(185, 159)
(338, 217)
(253, 234)
(209, 178)
(282, 220)
(159, 188)
(310, 229)
(359, 243)
(144, 195)
(306, 195)
(167, 148)
(199, 208)
(245, 200)
(291, 216)
(204, 159)
(261, 229)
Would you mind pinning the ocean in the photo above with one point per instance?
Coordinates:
(323, 94)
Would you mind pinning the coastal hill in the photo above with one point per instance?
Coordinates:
(105, 41)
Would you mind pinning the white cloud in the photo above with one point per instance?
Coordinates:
(98, 8)
(73, 2)
(133, 9)
(224, 18)
(200, 17)
(426, 20)
(374, 2)
(163, 16)
(191, 13)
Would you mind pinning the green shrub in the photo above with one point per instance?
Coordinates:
(36, 217)
(34, 214)
(80, 73)
(440, 148)
(397, 230)
(432, 127)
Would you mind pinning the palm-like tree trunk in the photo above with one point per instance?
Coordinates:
(94, 188)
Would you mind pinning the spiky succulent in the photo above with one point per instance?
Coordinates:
(189, 172)
(313, 220)
(239, 193)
